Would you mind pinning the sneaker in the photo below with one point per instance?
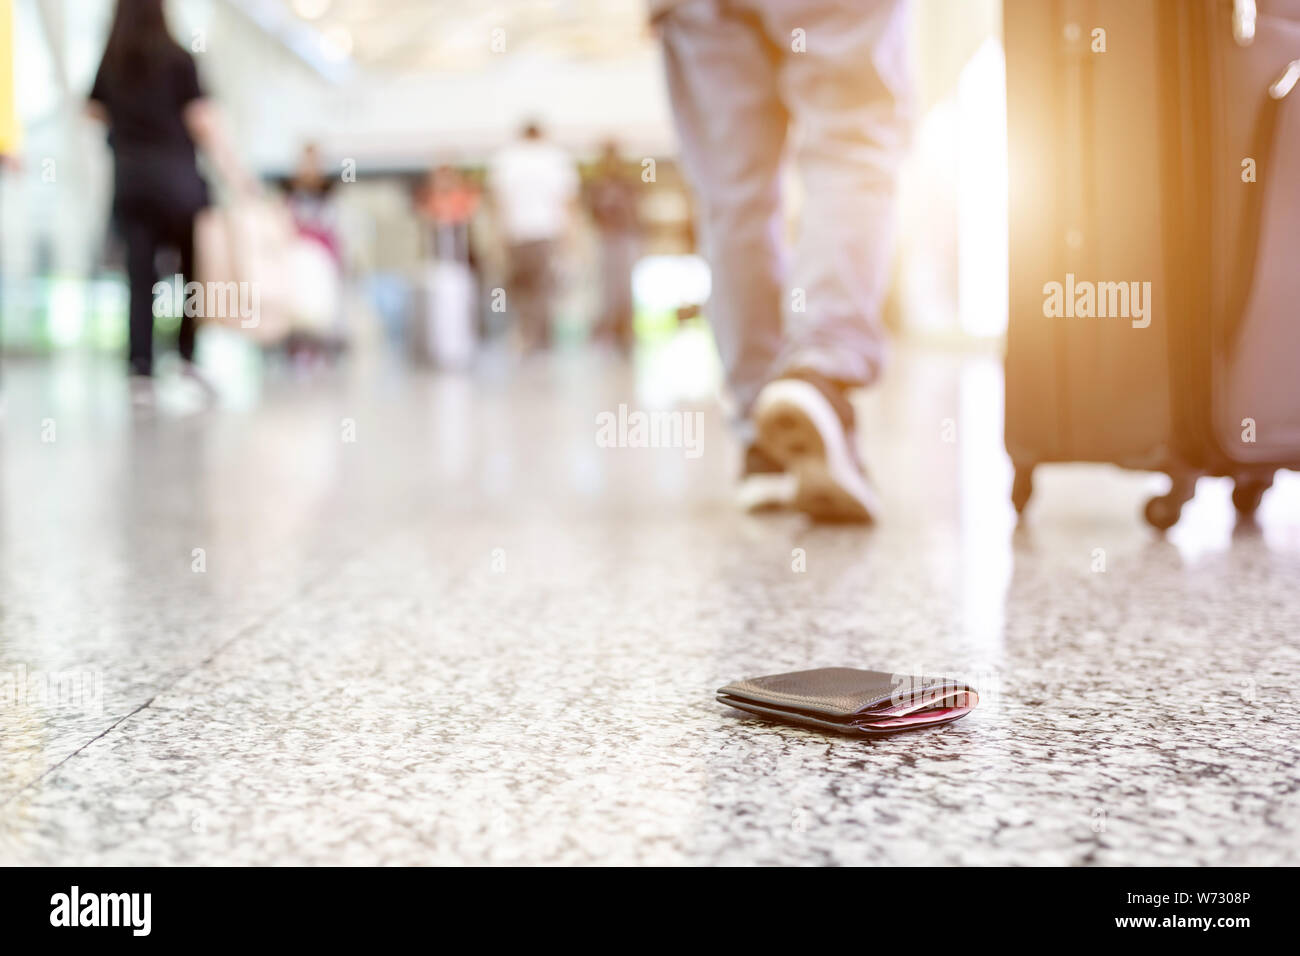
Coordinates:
(764, 484)
(142, 391)
(191, 371)
(805, 424)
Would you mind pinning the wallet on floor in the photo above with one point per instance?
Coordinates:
(853, 701)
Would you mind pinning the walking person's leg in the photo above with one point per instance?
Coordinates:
(544, 283)
(141, 249)
(626, 249)
(520, 306)
(617, 257)
(848, 90)
(605, 329)
(184, 241)
(527, 295)
(850, 96)
(722, 78)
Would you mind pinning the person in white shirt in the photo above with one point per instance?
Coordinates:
(534, 186)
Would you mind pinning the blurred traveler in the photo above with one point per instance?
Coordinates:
(310, 196)
(147, 90)
(534, 186)
(316, 262)
(447, 320)
(612, 197)
(447, 200)
(740, 74)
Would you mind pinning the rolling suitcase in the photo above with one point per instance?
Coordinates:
(1237, 227)
(1152, 279)
(446, 325)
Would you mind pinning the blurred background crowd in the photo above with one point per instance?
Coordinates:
(432, 153)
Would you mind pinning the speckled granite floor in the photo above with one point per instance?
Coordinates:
(473, 635)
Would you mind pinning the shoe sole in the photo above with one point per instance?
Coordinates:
(799, 429)
(763, 492)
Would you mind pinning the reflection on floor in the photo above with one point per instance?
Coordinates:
(382, 618)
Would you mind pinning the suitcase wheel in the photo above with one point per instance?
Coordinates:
(1246, 494)
(1163, 511)
(1022, 486)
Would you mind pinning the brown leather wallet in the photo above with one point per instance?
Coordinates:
(853, 701)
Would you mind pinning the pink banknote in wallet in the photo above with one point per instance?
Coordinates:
(849, 700)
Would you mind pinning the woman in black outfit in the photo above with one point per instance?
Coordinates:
(147, 91)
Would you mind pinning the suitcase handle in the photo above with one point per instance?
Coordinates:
(1244, 15)
(1285, 83)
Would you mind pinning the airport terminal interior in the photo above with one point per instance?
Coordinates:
(359, 587)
